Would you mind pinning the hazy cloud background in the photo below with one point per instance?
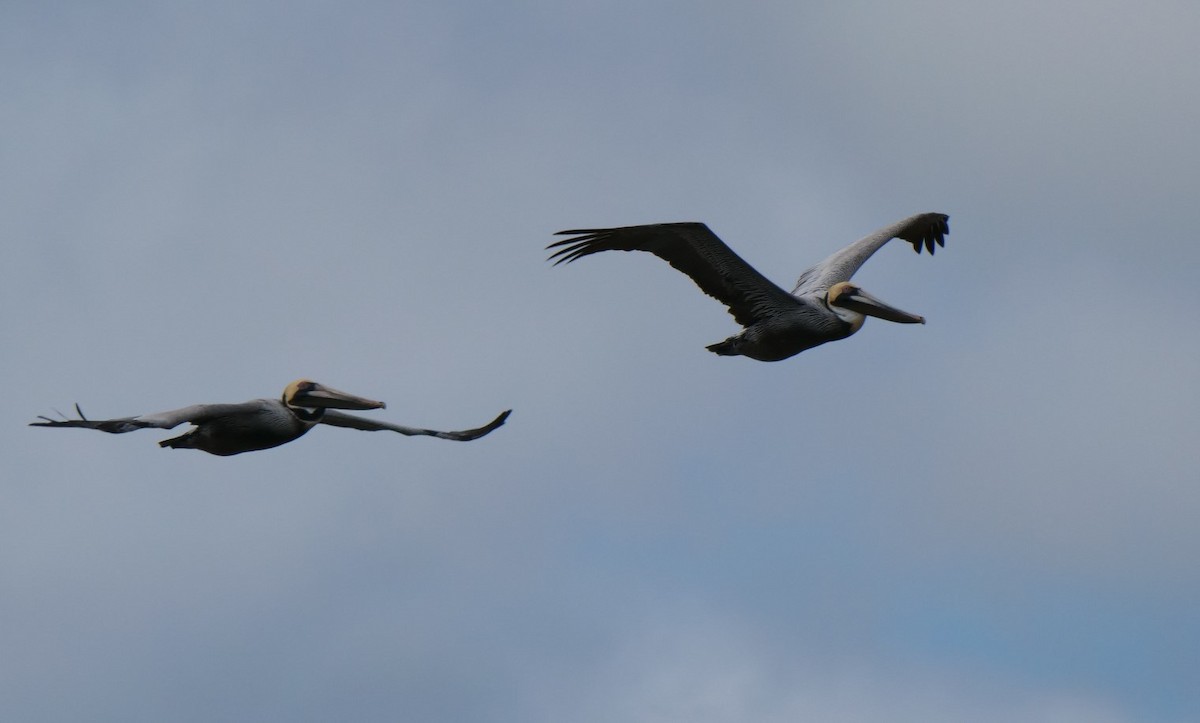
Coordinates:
(991, 517)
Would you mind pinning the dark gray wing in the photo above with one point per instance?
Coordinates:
(341, 419)
(922, 230)
(196, 413)
(696, 251)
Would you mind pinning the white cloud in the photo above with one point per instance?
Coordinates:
(687, 664)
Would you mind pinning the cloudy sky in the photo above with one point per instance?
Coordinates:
(992, 517)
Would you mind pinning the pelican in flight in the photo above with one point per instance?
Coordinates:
(227, 429)
(824, 306)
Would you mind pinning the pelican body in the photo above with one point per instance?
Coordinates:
(824, 306)
(228, 429)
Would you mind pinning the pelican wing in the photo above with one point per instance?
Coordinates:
(696, 251)
(924, 229)
(195, 414)
(341, 419)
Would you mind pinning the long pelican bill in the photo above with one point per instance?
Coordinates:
(862, 302)
(313, 395)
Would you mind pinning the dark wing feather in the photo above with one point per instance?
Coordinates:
(195, 414)
(112, 426)
(927, 229)
(696, 251)
(341, 419)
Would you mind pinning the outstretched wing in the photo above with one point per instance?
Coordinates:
(696, 251)
(924, 229)
(341, 419)
(195, 414)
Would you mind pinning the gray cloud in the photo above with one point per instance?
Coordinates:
(986, 518)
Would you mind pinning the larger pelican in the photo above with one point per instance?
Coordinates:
(823, 307)
(226, 429)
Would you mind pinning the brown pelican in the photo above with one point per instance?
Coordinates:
(226, 429)
(823, 307)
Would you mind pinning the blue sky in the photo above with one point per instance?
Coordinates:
(990, 517)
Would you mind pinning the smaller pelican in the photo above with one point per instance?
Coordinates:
(824, 305)
(227, 429)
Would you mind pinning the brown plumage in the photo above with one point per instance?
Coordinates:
(776, 325)
(228, 429)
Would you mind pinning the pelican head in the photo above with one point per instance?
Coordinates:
(850, 302)
(307, 394)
